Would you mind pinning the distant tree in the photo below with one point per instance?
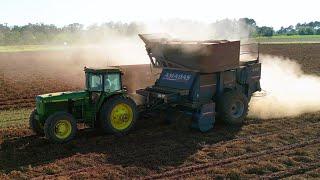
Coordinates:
(309, 31)
(12, 37)
(75, 27)
(2, 42)
(308, 28)
(305, 30)
(265, 31)
(248, 21)
(290, 30)
(281, 30)
(4, 28)
(314, 24)
(40, 33)
(248, 25)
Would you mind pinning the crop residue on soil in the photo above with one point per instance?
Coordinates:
(275, 148)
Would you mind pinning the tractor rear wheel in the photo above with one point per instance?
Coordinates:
(118, 115)
(60, 127)
(35, 125)
(232, 107)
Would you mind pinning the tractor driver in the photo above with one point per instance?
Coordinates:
(96, 82)
(111, 83)
(107, 84)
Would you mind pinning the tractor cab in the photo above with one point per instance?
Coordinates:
(103, 79)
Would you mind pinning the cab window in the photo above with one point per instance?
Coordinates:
(95, 82)
(112, 82)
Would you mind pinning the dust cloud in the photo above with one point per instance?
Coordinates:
(121, 50)
(195, 30)
(114, 49)
(289, 91)
(129, 53)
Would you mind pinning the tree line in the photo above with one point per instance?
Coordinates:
(32, 34)
(311, 28)
(78, 33)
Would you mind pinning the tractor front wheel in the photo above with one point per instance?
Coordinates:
(118, 115)
(60, 127)
(35, 125)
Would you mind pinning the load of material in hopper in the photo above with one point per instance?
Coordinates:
(203, 56)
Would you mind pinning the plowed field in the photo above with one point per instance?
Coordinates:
(286, 147)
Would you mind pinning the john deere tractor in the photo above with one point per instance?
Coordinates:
(103, 105)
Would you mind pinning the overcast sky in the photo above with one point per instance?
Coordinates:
(274, 13)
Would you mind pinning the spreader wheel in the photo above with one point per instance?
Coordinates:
(118, 115)
(60, 127)
(232, 107)
(35, 125)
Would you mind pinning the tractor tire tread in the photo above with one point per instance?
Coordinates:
(104, 123)
(34, 125)
(48, 126)
(223, 107)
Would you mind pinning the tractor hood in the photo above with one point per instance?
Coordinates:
(62, 96)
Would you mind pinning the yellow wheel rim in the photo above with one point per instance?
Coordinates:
(121, 116)
(62, 129)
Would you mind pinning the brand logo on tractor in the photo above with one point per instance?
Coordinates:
(176, 76)
(257, 69)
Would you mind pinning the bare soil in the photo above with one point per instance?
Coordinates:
(24, 75)
(272, 148)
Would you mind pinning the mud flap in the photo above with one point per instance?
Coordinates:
(203, 120)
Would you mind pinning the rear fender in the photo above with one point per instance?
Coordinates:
(249, 73)
(249, 78)
(105, 97)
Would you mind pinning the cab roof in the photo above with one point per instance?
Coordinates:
(102, 70)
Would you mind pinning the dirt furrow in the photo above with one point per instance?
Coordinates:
(188, 170)
(15, 120)
(301, 169)
(16, 101)
(92, 169)
(214, 145)
(16, 106)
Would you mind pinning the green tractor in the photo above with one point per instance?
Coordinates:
(103, 105)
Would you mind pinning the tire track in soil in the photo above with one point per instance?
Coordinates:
(188, 170)
(92, 169)
(300, 169)
(269, 133)
(41, 145)
(295, 170)
(102, 168)
(15, 105)
(16, 101)
(247, 137)
(15, 120)
(221, 143)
